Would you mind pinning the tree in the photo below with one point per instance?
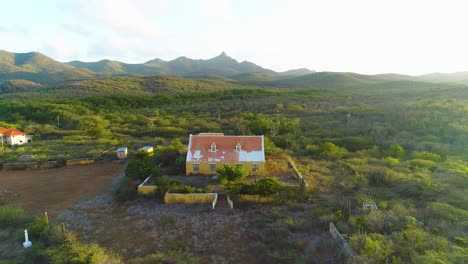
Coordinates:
(140, 167)
(94, 126)
(170, 155)
(231, 173)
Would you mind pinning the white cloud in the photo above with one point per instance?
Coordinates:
(124, 17)
(58, 47)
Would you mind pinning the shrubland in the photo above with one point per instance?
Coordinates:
(402, 147)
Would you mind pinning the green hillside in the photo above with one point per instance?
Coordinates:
(38, 68)
(29, 62)
(343, 80)
(131, 85)
(18, 85)
(457, 77)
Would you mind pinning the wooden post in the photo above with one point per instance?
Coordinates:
(63, 228)
(46, 219)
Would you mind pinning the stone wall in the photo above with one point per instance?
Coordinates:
(79, 161)
(191, 198)
(343, 243)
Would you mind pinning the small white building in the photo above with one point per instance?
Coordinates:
(122, 153)
(13, 136)
(146, 149)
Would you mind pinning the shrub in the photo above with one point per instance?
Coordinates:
(126, 190)
(422, 164)
(13, 216)
(460, 241)
(396, 151)
(140, 167)
(73, 251)
(164, 184)
(377, 177)
(267, 186)
(391, 162)
(355, 143)
(231, 173)
(331, 151)
(425, 155)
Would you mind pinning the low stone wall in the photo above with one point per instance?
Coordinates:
(146, 189)
(30, 165)
(79, 161)
(191, 198)
(253, 198)
(296, 171)
(342, 242)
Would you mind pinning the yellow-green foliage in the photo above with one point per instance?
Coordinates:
(13, 216)
(73, 251)
(188, 198)
(391, 162)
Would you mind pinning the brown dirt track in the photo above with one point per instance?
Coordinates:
(54, 190)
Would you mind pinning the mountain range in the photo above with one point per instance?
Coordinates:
(28, 71)
(36, 67)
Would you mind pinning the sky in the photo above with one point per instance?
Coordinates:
(365, 36)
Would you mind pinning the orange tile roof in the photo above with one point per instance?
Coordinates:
(199, 148)
(2, 130)
(13, 132)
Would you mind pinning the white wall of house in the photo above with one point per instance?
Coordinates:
(17, 140)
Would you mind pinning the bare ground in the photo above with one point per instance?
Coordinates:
(54, 190)
(141, 227)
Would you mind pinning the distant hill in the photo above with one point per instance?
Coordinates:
(29, 62)
(456, 77)
(296, 72)
(38, 68)
(347, 80)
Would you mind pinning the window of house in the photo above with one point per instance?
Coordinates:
(196, 167)
(212, 167)
(255, 167)
(213, 147)
(238, 147)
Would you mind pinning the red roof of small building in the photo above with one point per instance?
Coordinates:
(2, 130)
(251, 148)
(12, 132)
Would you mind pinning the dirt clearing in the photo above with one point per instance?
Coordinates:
(54, 190)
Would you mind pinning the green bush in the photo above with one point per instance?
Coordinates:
(126, 190)
(37, 227)
(329, 150)
(422, 164)
(13, 216)
(231, 173)
(140, 167)
(267, 186)
(396, 151)
(73, 251)
(391, 162)
(425, 155)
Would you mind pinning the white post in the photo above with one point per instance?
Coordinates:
(26, 243)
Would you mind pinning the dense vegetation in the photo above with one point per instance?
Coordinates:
(402, 144)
